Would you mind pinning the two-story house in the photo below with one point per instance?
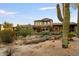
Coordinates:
(47, 24)
(42, 25)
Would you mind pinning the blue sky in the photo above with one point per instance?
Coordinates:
(26, 13)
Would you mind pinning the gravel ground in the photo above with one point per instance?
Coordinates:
(47, 48)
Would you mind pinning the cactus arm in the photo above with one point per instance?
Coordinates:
(63, 9)
(59, 13)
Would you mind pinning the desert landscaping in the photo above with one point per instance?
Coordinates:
(40, 47)
(42, 37)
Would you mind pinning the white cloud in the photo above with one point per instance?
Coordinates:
(47, 8)
(3, 13)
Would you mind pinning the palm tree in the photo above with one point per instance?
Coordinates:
(65, 19)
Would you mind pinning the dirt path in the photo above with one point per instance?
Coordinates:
(47, 48)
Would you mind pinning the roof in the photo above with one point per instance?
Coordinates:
(72, 23)
(57, 23)
(44, 20)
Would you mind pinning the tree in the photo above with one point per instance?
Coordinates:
(7, 26)
(65, 19)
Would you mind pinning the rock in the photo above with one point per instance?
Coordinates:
(3, 51)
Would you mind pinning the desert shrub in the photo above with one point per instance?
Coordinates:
(56, 33)
(72, 34)
(43, 33)
(24, 32)
(21, 32)
(7, 36)
(30, 31)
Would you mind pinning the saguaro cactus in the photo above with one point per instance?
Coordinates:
(78, 23)
(76, 6)
(65, 19)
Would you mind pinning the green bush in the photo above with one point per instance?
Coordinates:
(45, 33)
(72, 34)
(56, 33)
(7, 36)
(24, 32)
